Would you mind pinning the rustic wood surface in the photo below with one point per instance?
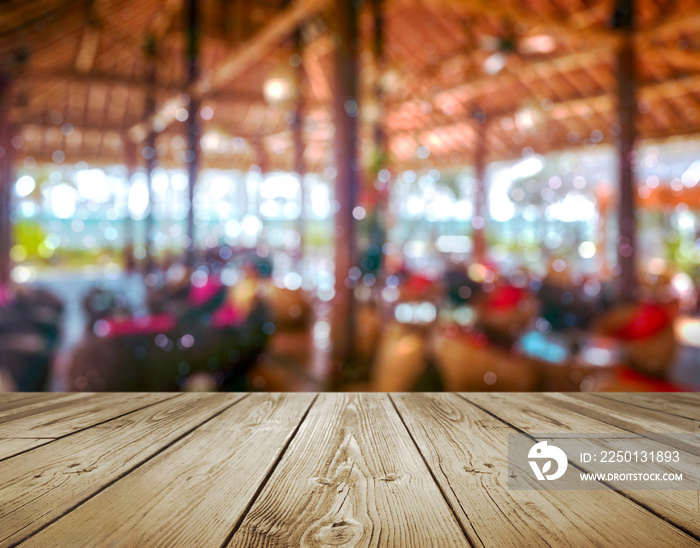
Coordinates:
(346, 470)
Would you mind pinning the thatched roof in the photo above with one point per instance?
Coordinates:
(541, 71)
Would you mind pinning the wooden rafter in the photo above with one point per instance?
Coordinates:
(238, 61)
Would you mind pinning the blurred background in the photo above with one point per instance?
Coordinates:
(386, 195)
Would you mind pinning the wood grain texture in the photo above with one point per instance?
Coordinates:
(14, 400)
(342, 470)
(680, 405)
(41, 485)
(626, 417)
(353, 478)
(77, 411)
(25, 407)
(193, 493)
(467, 450)
(549, 413)
(10, 447)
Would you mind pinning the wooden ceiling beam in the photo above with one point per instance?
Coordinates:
(537, 69)
(249, 53)
(536, 23)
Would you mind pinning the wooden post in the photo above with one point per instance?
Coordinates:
(380, 138)
(626, 115)
(130, 162)
(263, 161)
(603, 195)
(298, 139)
(479, 216)
(6, 179)
(148, 151)
(380, 190)
(193, 125)
(346, 111)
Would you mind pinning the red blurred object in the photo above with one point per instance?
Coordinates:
(505, 296)
(418, 284)
(198, 296)
(640, 382)
(227, 316)
(6, 296)
(144, 325)
(647, 321)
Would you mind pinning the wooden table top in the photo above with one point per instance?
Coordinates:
(319, 470)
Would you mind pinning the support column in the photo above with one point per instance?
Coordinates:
(130, 162)
(263, 161)
(148, 151)
(626, 115)
(6, 179)
(380, 188)
(193, 125)
(479, 216)
(346, 111)
(298, 139)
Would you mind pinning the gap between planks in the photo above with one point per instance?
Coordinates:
(82, 429)
(625, 494)
(128, 471)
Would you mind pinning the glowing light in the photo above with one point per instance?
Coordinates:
(277, 89)
(574, 207)
(586, 250)
(22, 274)
(529, 117)
(320, 201)
(292, 280)
(25, 186)
(251, 225)
(92, 185)
(454, 244)
(691, 175)
(529, 167)
(138, 200)
(283, 185)
(63, 199)
(540, 43)
(494, 63)
(688, 331)
(502, 210)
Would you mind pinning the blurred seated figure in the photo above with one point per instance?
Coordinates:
(401, 358)
(30, 320)
(460, 288)
(504, 310)
(468, 361)
(646, 331)
(202, 327)
(570, 301)
(571, 361)
(400, 346)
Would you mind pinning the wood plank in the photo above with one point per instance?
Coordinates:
(237, 62)
(192, 493)
(624, 416)
(351, 477)
(548, 413)
(40, 486)
(681, 405)
(73, 413)
(13, 446)
(15, 400)
(571, 413)
(21, 408)
(467, 450)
